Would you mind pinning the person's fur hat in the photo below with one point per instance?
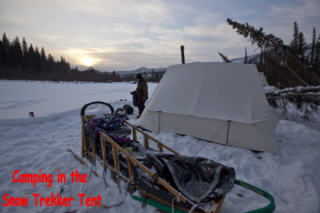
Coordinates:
(139, 76)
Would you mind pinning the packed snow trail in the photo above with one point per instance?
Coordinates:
(41, 143)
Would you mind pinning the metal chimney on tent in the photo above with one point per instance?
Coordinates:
(182, 54)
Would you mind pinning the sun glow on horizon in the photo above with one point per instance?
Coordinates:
(87, 61)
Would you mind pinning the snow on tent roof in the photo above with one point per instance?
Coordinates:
(197, 99)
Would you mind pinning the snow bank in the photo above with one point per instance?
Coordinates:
(30, 144)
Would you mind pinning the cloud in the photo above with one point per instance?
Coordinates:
(118, 58)
(127, 29)
(160, 46)
(305, 12)
(202, 38)
(121, 32)
(299, 12)
(131, 33)
(138, 11)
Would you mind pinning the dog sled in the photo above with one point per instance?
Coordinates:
(156, 174)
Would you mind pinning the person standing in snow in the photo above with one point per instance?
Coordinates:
(142, 89)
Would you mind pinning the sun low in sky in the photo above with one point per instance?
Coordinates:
(128, 34)
(87, 61)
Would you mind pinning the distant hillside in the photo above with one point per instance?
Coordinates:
(251, 58)
(140, 70)
(255, 57)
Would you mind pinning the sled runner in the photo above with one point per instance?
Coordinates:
(156, 174)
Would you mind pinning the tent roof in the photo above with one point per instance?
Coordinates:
(222, 91)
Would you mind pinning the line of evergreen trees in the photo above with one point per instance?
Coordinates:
(22, 61)
(283, 65)
(153, 76)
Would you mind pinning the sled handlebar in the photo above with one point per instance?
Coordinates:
(267, 209)
(83, 109)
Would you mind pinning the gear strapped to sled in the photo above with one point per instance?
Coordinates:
(162, 176)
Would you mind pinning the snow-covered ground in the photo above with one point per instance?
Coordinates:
(41, 143)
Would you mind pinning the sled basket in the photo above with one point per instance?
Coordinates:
(156, 174)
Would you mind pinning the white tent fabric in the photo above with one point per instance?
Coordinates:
(218, 102)
(263, 79)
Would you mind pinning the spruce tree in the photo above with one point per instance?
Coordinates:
(295, 43)
(317, 56)
(31, 59)
(50, 62)
(43, 60)
(257, 36)
(43, 55)
(5, 44)
(1, 58)
(15, 53)
(24, 46)
(25, 53)
(272, 44)
(5, 41)
(37, 60)
(301, 47)
(261, 57)
(313, 47)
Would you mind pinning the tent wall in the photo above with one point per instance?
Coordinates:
(259, 136)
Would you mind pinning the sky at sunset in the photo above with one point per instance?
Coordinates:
(128, 34)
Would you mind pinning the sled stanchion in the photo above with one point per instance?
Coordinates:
(161, 144)
(83, 137)
(146, 141)
(82, 162)
(115, 161)
(219, 205)
(160, 148)
(130, 171)
(112, 169)
(134, 134)
(135, 129)
(93, 148)
(267, 209)
(143, 167)
(103, 149)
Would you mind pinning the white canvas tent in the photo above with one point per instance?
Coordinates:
(263, 79)
(218, 102)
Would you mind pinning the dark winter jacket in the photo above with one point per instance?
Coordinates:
(143, 87)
